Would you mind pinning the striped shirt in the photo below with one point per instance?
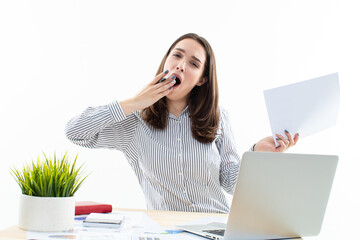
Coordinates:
(176, 172)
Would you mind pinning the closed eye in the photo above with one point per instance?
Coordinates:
(178, 55)
(194, 64)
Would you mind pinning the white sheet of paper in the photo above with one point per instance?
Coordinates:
(134, 224)
(305, 107)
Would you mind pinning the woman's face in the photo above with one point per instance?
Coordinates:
(186, 61)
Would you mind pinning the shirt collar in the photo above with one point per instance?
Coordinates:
(184, 112)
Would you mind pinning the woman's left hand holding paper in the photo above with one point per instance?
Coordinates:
(268, 145)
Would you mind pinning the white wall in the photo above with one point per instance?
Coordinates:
(57, 58)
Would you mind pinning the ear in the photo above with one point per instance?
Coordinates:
(202, 81)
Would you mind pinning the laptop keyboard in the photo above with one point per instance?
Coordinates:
(220, 232)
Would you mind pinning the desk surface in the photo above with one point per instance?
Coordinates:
(164, 218)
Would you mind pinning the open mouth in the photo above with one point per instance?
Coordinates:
(178, 82)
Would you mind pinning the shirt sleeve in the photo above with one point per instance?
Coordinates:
(230, 160)
(103, 127)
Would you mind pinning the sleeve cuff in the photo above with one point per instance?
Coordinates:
(252, 149)
(117, 111)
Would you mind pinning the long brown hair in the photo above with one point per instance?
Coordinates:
(202, 101)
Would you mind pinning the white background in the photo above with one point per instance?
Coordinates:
(57, 58)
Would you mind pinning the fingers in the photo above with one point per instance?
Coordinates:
(166, 82)
(283, 139)
(289, 137)
(159, 77)
(154, 91)
(292, 140)
(296, 138)
(284, 142)
(167, 91)
(282, 145)
(163, 88)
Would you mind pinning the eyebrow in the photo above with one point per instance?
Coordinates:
(182, 50)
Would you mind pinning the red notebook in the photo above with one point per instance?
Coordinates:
(87, 207)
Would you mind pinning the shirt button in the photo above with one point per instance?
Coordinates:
(179, 139)
(178, 121)
(184, 191)
(179, 155)
(191, 205)
(180, 173)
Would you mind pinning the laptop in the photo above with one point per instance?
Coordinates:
(277, 195)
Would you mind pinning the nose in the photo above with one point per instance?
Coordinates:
(181, 66)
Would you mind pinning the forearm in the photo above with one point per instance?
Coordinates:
(129, 106)
(95, 127)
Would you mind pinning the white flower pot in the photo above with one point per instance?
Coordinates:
(46, 214)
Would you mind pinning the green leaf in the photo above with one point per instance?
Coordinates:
(52, 177)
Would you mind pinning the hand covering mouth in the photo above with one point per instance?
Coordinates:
(177, 79)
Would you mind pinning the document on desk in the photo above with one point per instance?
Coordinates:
(134, 224)
(305, 107)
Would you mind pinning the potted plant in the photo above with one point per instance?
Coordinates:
(47, 202)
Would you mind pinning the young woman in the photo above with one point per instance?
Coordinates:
(173, 134)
